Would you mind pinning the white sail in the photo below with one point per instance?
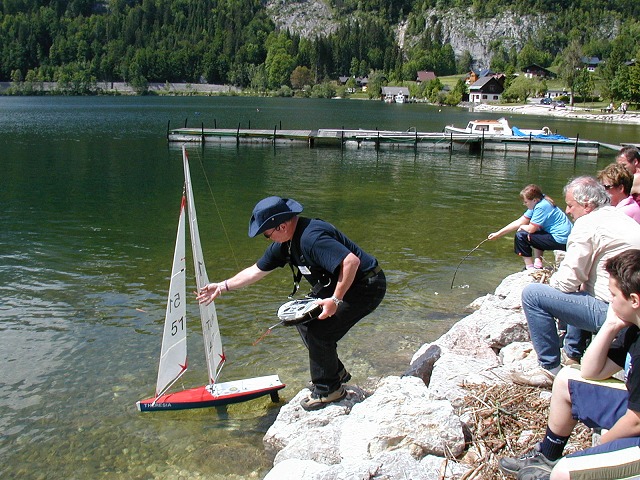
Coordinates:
(173, 356)
(208, 316)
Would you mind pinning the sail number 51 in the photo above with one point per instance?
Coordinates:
(178, 324)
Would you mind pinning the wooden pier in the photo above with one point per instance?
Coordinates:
(386, 139)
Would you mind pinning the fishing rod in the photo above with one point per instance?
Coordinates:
(464, 258)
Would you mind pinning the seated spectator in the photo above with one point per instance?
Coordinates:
(577, 294)
(617, 181)
(629, 158)
(591, 396)
(542, 227)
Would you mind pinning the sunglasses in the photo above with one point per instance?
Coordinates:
(268, 235)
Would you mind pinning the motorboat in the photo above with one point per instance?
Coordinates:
(499, 127)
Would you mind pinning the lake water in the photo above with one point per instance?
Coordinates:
(90, 194)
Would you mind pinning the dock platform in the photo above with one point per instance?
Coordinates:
(387, 139)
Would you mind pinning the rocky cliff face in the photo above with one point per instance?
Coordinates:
(460, 28)
(465, 32)
(307, 18)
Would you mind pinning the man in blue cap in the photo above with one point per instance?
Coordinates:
(347, 281)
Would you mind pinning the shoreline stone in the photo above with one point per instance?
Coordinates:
(409, 424)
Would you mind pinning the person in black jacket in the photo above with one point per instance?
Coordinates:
(347, 281)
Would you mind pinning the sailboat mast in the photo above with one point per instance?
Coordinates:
(208, 316)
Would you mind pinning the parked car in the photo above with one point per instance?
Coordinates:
(559, 104)
(546, 101)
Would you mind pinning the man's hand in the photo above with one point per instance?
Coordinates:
(329, 308)
(209, 293)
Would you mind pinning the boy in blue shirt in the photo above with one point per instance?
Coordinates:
(590, 394)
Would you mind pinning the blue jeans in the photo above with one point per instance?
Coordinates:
(523, 242)
(582, 313)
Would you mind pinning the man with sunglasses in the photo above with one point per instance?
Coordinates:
(348, 283)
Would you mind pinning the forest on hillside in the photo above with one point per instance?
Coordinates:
(80, 42)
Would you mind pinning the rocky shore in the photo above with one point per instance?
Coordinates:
(411, 425)
(580, 113)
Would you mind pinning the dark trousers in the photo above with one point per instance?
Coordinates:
(523, 243)
(321, 336)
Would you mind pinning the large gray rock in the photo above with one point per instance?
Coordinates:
(295, 423)
(407, 428)
(401, 415)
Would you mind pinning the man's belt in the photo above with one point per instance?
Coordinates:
(371, 273)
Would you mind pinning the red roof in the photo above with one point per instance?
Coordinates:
(424, 76)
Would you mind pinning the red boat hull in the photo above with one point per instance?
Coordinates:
(215, 395)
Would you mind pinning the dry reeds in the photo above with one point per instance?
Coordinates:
(507, 421)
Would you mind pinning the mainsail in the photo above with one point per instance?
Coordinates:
(173, 356)
(208, 316)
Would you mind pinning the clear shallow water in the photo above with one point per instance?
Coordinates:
(90, 194)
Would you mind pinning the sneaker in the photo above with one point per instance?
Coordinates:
(538, 472)
(316, 402)
(530, 460)
(538, 263)
(535, 376)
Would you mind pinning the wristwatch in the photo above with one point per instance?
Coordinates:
(336, 300)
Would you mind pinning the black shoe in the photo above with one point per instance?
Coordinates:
(534, 458)
(315, 401)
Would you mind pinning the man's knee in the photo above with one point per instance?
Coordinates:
(561, 382)
(532, 293)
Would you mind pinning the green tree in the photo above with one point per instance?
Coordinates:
(376, 81)
(323, 90)
(300, 77)
(465, 62)
(521, 89)
(634, 84)
(570, 65)
(279, 63)
(584, 84)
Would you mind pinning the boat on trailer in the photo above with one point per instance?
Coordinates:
(173, 355)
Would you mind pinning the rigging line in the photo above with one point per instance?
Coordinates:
(464, 258)
(215, 203)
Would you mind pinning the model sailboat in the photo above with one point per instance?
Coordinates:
(173, 356)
